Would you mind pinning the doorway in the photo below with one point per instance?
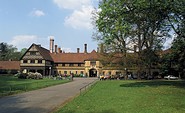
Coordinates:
(92, 73)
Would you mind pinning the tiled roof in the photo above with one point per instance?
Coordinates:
(74, 57)
(10, 65)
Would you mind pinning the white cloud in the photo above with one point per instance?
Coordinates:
(72, 4)
(23, 41)
(81, 16)
(37, 13)
(80, 19)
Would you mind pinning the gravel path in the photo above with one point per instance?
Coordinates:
(43, 100)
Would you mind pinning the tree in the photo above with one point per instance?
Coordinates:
(178, 55)
(8, 52)
(175, 17)
(122, 24)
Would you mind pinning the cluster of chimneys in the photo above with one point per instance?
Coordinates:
(56, 49)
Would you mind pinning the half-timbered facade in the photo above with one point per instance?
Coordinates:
(36, 59)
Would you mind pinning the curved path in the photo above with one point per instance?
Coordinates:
(43, 100)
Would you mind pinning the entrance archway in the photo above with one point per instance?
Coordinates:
(92, 73)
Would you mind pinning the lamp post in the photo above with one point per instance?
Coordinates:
(49, 72)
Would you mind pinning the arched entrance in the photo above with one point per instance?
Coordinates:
(92, 73)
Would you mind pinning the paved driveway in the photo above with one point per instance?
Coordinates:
(43, 100)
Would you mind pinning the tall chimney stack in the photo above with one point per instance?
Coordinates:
(59, 50)
(55, 48)
(51, 48)
(78, 50)
(98, 50)
(85, 48)
(101, 48)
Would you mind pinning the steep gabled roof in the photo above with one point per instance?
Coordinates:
(73, 57)
(10, 65)
(44, 52)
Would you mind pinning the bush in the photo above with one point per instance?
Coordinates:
(22, 75)
(29, 75)
(36, 75)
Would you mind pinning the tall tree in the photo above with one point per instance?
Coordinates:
(178, 55)
(127, 22)
(8, 52)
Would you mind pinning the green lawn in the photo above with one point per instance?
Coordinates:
(130, 97)
(11, 85)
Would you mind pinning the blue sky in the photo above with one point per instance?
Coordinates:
(23, 22)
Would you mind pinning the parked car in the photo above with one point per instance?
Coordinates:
(170, 77)
(107, 77)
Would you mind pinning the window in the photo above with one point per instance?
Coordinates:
(40, 61)
(32, 53)
(103, 72)
(109, 72)
(32, 61)
(79, 65)
(65, 72)
(70, 65)
(63, 65)
(25, 61)
(82, 72)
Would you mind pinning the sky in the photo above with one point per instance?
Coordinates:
(23, 22)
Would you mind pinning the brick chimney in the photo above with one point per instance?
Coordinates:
(85, 48)
(78, 50)
(51, 48)
(59, 50)
(101, 48)
(55, 48)
(98, 50)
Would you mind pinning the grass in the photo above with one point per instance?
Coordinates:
(130, 97)
(11, 85)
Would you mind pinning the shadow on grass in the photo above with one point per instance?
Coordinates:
(155, 83)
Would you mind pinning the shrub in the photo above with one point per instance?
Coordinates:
(36, 75)
(22, 75)
(29, 75)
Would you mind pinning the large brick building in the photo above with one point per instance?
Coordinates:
(56, 62)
